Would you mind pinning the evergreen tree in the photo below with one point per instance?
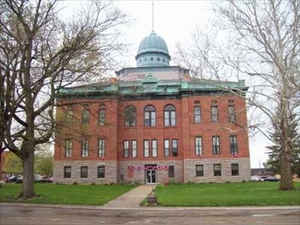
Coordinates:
(273, 162)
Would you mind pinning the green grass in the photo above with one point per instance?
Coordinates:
(66, 194)
(232, 194)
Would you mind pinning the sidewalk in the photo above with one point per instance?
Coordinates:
(131, 199)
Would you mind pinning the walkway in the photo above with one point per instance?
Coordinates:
(131, 199)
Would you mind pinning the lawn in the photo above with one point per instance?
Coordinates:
(66, 194)
(231, 194)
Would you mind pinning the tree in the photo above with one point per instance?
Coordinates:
(262, 44)
(44, 163)
(273, 162)
(39, 54)
(12, 164)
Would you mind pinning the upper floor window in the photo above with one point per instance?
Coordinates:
(130, 148)
(175, 147)
(101, 148)
(133, 149)
(216, 145)
(68, 148)
(102, 115)
(130, 116)
(233, 145)
(154, 148)
(150, 116)
(84, 148)
(126, 149)
(198, 145)
(146, 148)
(150, 145)
(170, 116)
(85, 117)
(214, 113)
(197, 114)
(231, 112)
(69, 114)
(166, 147)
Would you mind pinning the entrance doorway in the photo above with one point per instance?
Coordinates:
(150, 174)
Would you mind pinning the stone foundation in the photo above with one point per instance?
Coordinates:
(134, 171)
(190, 171)
(110, 172)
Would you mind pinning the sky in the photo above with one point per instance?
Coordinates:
(175, 21)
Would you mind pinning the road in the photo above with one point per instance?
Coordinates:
(14, 214)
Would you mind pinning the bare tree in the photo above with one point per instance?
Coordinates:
(39, 54)
(263, 39)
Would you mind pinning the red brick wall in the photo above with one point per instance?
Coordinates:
(185, 131)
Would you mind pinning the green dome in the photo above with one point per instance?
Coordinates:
(153, 51)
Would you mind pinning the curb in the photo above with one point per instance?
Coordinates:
(150, 208)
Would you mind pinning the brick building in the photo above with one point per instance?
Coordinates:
(154, 123)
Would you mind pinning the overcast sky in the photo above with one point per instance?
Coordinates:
(175, 21)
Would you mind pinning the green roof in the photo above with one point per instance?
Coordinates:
(152, 86)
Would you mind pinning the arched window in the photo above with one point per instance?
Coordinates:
(101, 117)
(149, 116)
(130, 116)
(170, 116)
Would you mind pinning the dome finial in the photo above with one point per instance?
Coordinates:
(152, 15)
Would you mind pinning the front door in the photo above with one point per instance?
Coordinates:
(150, 174)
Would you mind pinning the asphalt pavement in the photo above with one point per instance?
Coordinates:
(31, 214)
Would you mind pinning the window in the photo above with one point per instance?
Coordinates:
(170, 116)
(231, 114)
(166, 147)
(217, 170)
(85, 117)
(149, 116)
(214, 113)
(154, 148)
(130, 116)
(171, 171)
(197, 114)
(199, 171)
(68, 148)
(134, 149)
(130, 148)
(146, 148)
(216, 145)
(233, 145)
(83, 172)
(234, 169)
(101, 171)
(101, 148)
(198, 145)
(101, 117)
(67, 172)
(126, 149)
(175, 147)
(69, 114)
(85, 148)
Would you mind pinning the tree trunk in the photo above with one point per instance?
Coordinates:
(28, 177)
(286, 177)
